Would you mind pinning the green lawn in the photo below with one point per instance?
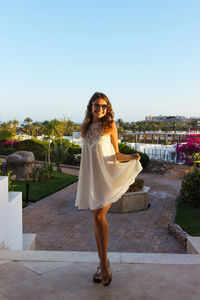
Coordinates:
(188, 218)
(41, 189)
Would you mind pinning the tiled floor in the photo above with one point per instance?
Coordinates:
(25, 280)
(59, 225)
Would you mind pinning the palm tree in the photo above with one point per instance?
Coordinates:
(13, 129)
(28, 120)
(159, 128)
(120, 122)
(35, 128)
(69, 127)
(50, 132)
(174, 126)
(139, 127)
(28, 124)
(120, 128)
(59, 151)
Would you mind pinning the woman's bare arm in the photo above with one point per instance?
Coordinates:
(114, 140)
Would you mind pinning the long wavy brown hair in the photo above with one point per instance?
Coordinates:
(106, 120)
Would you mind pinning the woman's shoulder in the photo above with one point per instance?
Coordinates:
(114, 124)
(113, 127)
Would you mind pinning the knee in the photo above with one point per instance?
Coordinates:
(98, 218)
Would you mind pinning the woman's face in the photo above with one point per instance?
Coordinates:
(99, 108)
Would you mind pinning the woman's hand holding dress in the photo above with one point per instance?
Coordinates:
(127, 157)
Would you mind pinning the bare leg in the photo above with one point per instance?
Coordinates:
(97, 239)
(101, 234)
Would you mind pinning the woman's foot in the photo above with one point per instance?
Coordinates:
(97, 275)
(106, 275)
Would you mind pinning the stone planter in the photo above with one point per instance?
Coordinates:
(132, 201)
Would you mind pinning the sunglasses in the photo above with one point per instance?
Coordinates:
(104, 106)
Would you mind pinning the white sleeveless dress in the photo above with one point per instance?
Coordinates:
(102, 179)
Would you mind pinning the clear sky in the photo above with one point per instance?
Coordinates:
(54, 54)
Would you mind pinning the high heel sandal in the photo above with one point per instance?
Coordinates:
(97, 274)
(106, 278)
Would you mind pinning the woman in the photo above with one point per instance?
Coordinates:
(102, 178)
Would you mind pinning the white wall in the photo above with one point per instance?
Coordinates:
(10, 217)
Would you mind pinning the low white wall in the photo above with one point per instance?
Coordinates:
(3, 209)
(14, 221)
(10, 217)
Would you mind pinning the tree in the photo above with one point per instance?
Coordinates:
(27, 126)
(5, 135)
(120, 122)
(174, 126)
(35, 129)
(13, 129)
(50, 132)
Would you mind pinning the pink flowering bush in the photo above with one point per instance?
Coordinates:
(8, 144)
(188, 148)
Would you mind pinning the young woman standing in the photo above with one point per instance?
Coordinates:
(102, 178)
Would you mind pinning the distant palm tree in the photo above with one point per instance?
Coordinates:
(69, 127)
(120, 122)
(139, 127)
(28, 120)
(28, 125)
(13, 129)
(35, 128)
(174, 126)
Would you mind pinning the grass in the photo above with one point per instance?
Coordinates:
(41, 189)
(188, 218)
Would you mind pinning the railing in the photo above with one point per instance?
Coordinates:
(165, 155)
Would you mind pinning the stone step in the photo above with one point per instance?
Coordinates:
(178, 172)
(193, 245)
(181, 167)
(172, 176)
(114, 257)
(29, 241)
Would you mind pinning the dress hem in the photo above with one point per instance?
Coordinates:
(115, 198)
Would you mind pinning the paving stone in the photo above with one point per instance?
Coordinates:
(59, 225)
(61, 280)
(13, 272)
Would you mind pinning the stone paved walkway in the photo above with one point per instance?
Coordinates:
(59, 225)
(30, 280)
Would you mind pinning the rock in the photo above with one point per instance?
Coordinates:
(21, 163)
(178, 233)
(158, 166)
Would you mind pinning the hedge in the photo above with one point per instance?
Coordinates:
(37, 147)
(7, 151)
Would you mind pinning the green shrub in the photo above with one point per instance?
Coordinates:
(41, 173)
(58, 152)
(72, 159)
(37, 147)
(5, 172)
(125, 149)
(138, 185)
(72, 156)
(190, 187)
(75, 149)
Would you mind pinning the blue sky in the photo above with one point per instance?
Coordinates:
(144, 55)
